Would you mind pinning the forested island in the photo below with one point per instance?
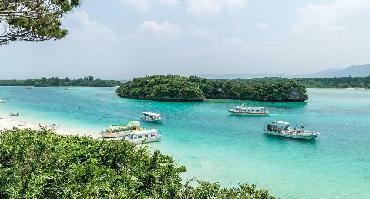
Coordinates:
(336, 82)
(56, 82)
(41, 164)
(196, 89)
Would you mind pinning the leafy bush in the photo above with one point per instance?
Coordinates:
(41, 164)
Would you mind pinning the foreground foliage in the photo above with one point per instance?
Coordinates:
(55, 82)
(336, 82)
(177, 88)
(41, 164)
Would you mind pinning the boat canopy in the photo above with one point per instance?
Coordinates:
(281, 123)
(151, 114)
(133, 124)
(250, 108)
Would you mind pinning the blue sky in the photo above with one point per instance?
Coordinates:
(121, 39)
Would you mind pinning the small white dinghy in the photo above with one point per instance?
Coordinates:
(281, 128)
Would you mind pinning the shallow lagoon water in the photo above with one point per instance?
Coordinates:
(219, 147)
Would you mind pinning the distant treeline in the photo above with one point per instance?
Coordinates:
(336, 82)
(177, 88)
(56, 82)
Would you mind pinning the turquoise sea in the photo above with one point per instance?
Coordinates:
(218, 147)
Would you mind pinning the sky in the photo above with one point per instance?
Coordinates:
(121, 39)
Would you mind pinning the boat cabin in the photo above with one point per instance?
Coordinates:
(149, 116)
(278, 126)
(116, 130)
(250, 109)
(145, 136)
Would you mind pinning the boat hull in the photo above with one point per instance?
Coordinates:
(145, 141)
(295, 136)
(152, 120)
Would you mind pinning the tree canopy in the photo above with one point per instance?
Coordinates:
(33, 20)
(41, 164)
(336, 82)
(162, 88)
(177, 88)
(89, 81)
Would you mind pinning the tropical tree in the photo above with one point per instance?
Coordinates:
(33, 20)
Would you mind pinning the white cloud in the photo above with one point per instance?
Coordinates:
(195, 7)
(211, 7)
(159, 29)
(202, 34)
(262, 25)
(142, 5)
(146, 5)
(89, 29)
(171, 30)
(328, 17)
(169, 2)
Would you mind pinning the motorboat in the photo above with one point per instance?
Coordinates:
(131, 132)
(150, 117)
(2, 101)
(249, 110)
(14, 114)
(284, 129)
(117, 131)
(143, 137)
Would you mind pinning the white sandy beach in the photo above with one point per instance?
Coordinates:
(9, 122)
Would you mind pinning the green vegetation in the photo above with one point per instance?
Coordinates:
(162, 88)
(336, 82)
(55, 82)
(36, 20)
(41, 164)
(177, 88)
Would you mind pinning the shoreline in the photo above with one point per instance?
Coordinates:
(9, 122)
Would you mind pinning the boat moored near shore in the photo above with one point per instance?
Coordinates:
(117, 131)
(281, 128)
(249, 110)
(131, 132)
(143, 137)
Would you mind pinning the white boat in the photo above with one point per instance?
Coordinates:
(14, 114)
(281, 128)
(118, 131)
(131, 132)
(150, 117)
(143, 137)
(249, 110)
(2, 100)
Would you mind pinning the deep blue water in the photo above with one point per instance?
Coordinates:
(218, 147)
